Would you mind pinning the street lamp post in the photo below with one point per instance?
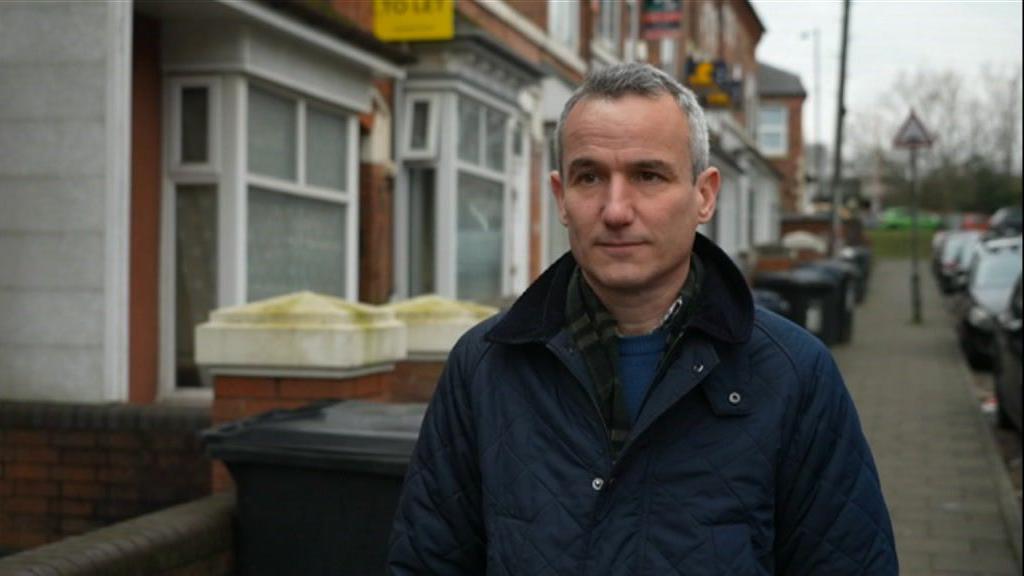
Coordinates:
(819, 164)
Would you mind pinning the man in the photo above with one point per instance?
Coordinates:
(632, 413)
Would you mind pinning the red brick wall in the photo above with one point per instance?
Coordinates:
(535, 11)
(359, 12)
(66, 469)
(376, 202)
(237, 397)
(791, 166)
(193, 539)
(145, 211)
(415, 381)
(515, 41)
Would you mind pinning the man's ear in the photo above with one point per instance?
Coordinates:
(559, 192)
(707, 186)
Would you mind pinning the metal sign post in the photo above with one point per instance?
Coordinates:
(913, 135)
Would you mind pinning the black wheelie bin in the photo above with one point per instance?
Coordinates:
(846, 274)
(813, 296)
(317, 486)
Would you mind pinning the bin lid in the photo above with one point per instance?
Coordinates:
(841, 266)
(798, 277)
(323, 435)
(815, 277)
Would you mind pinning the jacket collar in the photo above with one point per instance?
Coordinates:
(726, 313)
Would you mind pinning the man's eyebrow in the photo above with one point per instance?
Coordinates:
(654, 165)
(581, 164)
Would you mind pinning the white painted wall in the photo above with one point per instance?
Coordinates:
(766, 209)
(64, 112)
(728, 212)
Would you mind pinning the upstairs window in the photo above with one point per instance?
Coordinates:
(773, 130)
(564, 23)
(608, 23)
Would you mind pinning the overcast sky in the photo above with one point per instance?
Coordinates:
(886, 37)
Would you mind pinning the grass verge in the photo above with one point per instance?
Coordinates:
(896, 243)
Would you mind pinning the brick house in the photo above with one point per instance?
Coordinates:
(780, 130)
(159, 160)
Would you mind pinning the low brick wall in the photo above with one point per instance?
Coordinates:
(194, 539)
(66, 469)
(415, 380)
(239, 397)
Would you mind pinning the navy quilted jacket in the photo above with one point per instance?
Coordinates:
(747, 457)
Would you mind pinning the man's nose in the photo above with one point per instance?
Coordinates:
(618, 209)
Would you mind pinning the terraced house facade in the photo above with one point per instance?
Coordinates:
(161, 159)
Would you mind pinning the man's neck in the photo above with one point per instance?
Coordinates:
(639, 312)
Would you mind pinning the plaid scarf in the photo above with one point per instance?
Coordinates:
(593, 329)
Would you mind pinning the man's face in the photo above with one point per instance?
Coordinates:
(628, 197)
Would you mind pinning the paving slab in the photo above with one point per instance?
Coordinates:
(952, 506)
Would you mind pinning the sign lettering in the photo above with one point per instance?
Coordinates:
(410, 20)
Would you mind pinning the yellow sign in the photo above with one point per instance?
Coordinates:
(414, 19)
(703, 75)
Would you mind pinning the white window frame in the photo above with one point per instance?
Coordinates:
(430, 151)
(611, 39)
(177, 173)
(176, 86)
(349, 198)
(556, 28)
(485, 172)
(782, 129)
(447, 166)
(228, 172)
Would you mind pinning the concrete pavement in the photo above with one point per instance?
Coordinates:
(953, 510)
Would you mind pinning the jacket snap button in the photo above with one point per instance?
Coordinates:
(698, 367)
(734, 398)
(597, 484)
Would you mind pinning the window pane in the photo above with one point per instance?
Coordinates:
(421, 231)
(770, 142)
(495, 140)
(271, 135)
(772, 116)
(420, 124)
(563, 22)
(294, 244)
(479, 239)
(469, 130)
(195, 256)
(608, 21)
(326, 149)
(668, 48)
(195, 118)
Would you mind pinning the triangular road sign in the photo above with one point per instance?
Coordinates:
(912, 134)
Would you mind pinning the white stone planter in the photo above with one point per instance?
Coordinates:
(435, 324)
(305, 332)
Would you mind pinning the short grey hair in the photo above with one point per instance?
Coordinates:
(642, 80)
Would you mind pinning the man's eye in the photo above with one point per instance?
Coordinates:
(586, 178)
(647, 176)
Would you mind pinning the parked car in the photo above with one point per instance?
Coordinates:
(951, 267)
(1006, 362)
(899, 218)
(974, 221)
(1005, 222)
(993, 270)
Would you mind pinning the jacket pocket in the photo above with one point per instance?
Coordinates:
(734, 551)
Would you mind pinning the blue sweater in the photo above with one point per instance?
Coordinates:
(638, 361)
